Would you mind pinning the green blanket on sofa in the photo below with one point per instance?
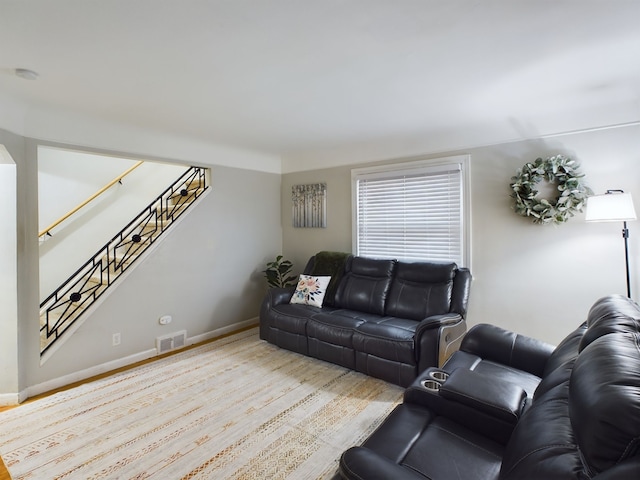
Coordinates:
(332, 264)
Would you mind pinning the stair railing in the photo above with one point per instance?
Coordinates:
(62, 308)
(118, 179)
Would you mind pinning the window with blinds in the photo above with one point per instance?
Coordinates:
(411, 212)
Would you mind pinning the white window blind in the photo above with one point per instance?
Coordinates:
(411, 214)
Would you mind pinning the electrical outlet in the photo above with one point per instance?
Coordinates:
(115, 339)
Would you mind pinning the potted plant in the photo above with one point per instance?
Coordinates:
(278, 273)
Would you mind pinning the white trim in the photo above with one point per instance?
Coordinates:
(16, 398)
(410, 165)
(10, 399)
(222, 331)
(80, 375)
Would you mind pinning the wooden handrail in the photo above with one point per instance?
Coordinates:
(99, 192)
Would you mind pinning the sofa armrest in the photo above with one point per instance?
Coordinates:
(486, 405)
(508, 348)
(278, 296)
(499, 399)
(275, 296)
(361, 462)
(437, 337)
(435, 321)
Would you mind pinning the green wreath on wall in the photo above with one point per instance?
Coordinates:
(561, 171)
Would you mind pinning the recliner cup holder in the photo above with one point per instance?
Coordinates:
(439, 375)
(432, 385)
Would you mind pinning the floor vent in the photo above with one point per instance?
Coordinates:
(171, 341)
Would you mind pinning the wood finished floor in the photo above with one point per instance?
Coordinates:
(4, 473)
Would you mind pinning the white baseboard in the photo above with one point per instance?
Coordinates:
(10, 399)
(16, 398)
(222, 331)
(88, 373)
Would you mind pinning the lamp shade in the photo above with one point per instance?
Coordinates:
(610, 207)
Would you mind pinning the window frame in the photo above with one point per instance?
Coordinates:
(392, 169)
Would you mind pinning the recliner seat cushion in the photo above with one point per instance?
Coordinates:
(388, 337)
(365, 285)
(420, 290)
(292, 317)
(448, 450)
(336, 329)
(433, 447)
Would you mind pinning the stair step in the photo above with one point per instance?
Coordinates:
(177, 198)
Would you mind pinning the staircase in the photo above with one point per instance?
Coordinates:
(64, 307)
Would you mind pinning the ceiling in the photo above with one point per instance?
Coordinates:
(288, 77)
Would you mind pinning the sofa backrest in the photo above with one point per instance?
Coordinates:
(327, 263)
(420, 290)
(365, 284)
(461, 289)
(611, 314)
(585, 415)
(604, 401)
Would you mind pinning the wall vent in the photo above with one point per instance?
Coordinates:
(172, 341)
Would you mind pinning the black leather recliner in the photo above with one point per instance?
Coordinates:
(481, 422)
(387, 319)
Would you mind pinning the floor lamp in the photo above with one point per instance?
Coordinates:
(613, 206)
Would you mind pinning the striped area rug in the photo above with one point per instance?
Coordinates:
(236, 408)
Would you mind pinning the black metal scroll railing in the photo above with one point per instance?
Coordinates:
(64, 306)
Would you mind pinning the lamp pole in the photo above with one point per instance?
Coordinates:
(625, 235)
(614, 206)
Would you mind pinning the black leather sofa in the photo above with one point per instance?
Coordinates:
(387, 319)
(482, 421)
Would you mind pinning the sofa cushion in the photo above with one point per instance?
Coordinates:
(420, 290)
(387, 337)
(292, 317)
(335, 329)
(365, 285)
(407, 439)
(448, 450)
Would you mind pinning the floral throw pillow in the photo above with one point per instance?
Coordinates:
(310, 290)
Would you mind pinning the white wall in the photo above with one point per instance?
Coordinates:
(8, 274)
(534, 279)
(205, 274)
(65, 179)
(20, 313)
